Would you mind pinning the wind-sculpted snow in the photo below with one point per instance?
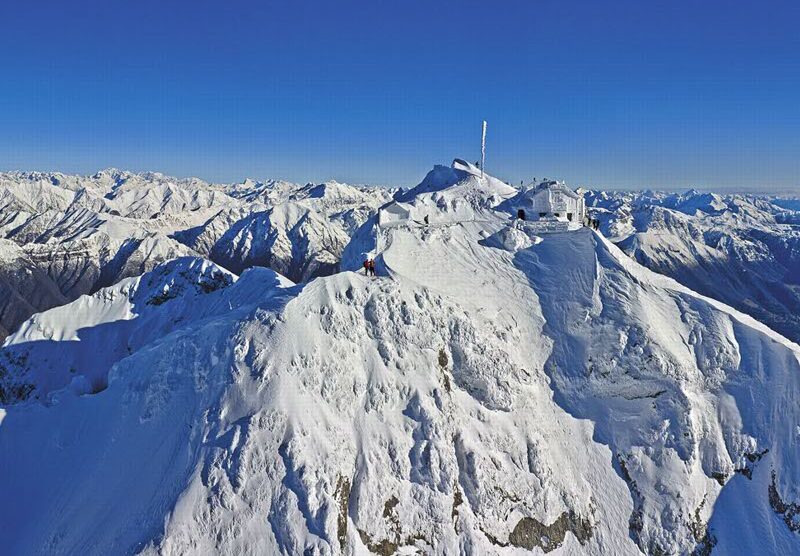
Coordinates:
(486, 393)
(83, 233)
(741, 249)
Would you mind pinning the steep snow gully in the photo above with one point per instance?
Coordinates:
(490, 392)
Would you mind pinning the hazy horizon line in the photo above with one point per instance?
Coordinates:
(751, 189)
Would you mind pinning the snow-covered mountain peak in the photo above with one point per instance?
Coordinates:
(330, 189)
(112, 174)
(460, 180)
(473, 397)
(693, 202)
(490, 391)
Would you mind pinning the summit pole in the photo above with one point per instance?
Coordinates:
(483, 147)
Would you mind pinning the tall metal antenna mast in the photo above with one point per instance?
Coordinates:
(483, 147)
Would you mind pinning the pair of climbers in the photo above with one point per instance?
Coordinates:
(369, 267)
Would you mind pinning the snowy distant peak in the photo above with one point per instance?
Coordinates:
(53, 178)
(268, 192)
(332, 190)
(273, 192)
(747, 209)
(136, 195)
(290, 238)
(106, 180)
(33, 193)
(693, 201)
(115, 178)
(332, 198)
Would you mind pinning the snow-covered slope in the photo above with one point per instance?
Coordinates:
(741, 249)
(76, 344)
(480, 396)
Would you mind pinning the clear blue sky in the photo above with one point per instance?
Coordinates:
(626, 94)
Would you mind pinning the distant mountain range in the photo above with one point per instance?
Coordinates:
(64, 236)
